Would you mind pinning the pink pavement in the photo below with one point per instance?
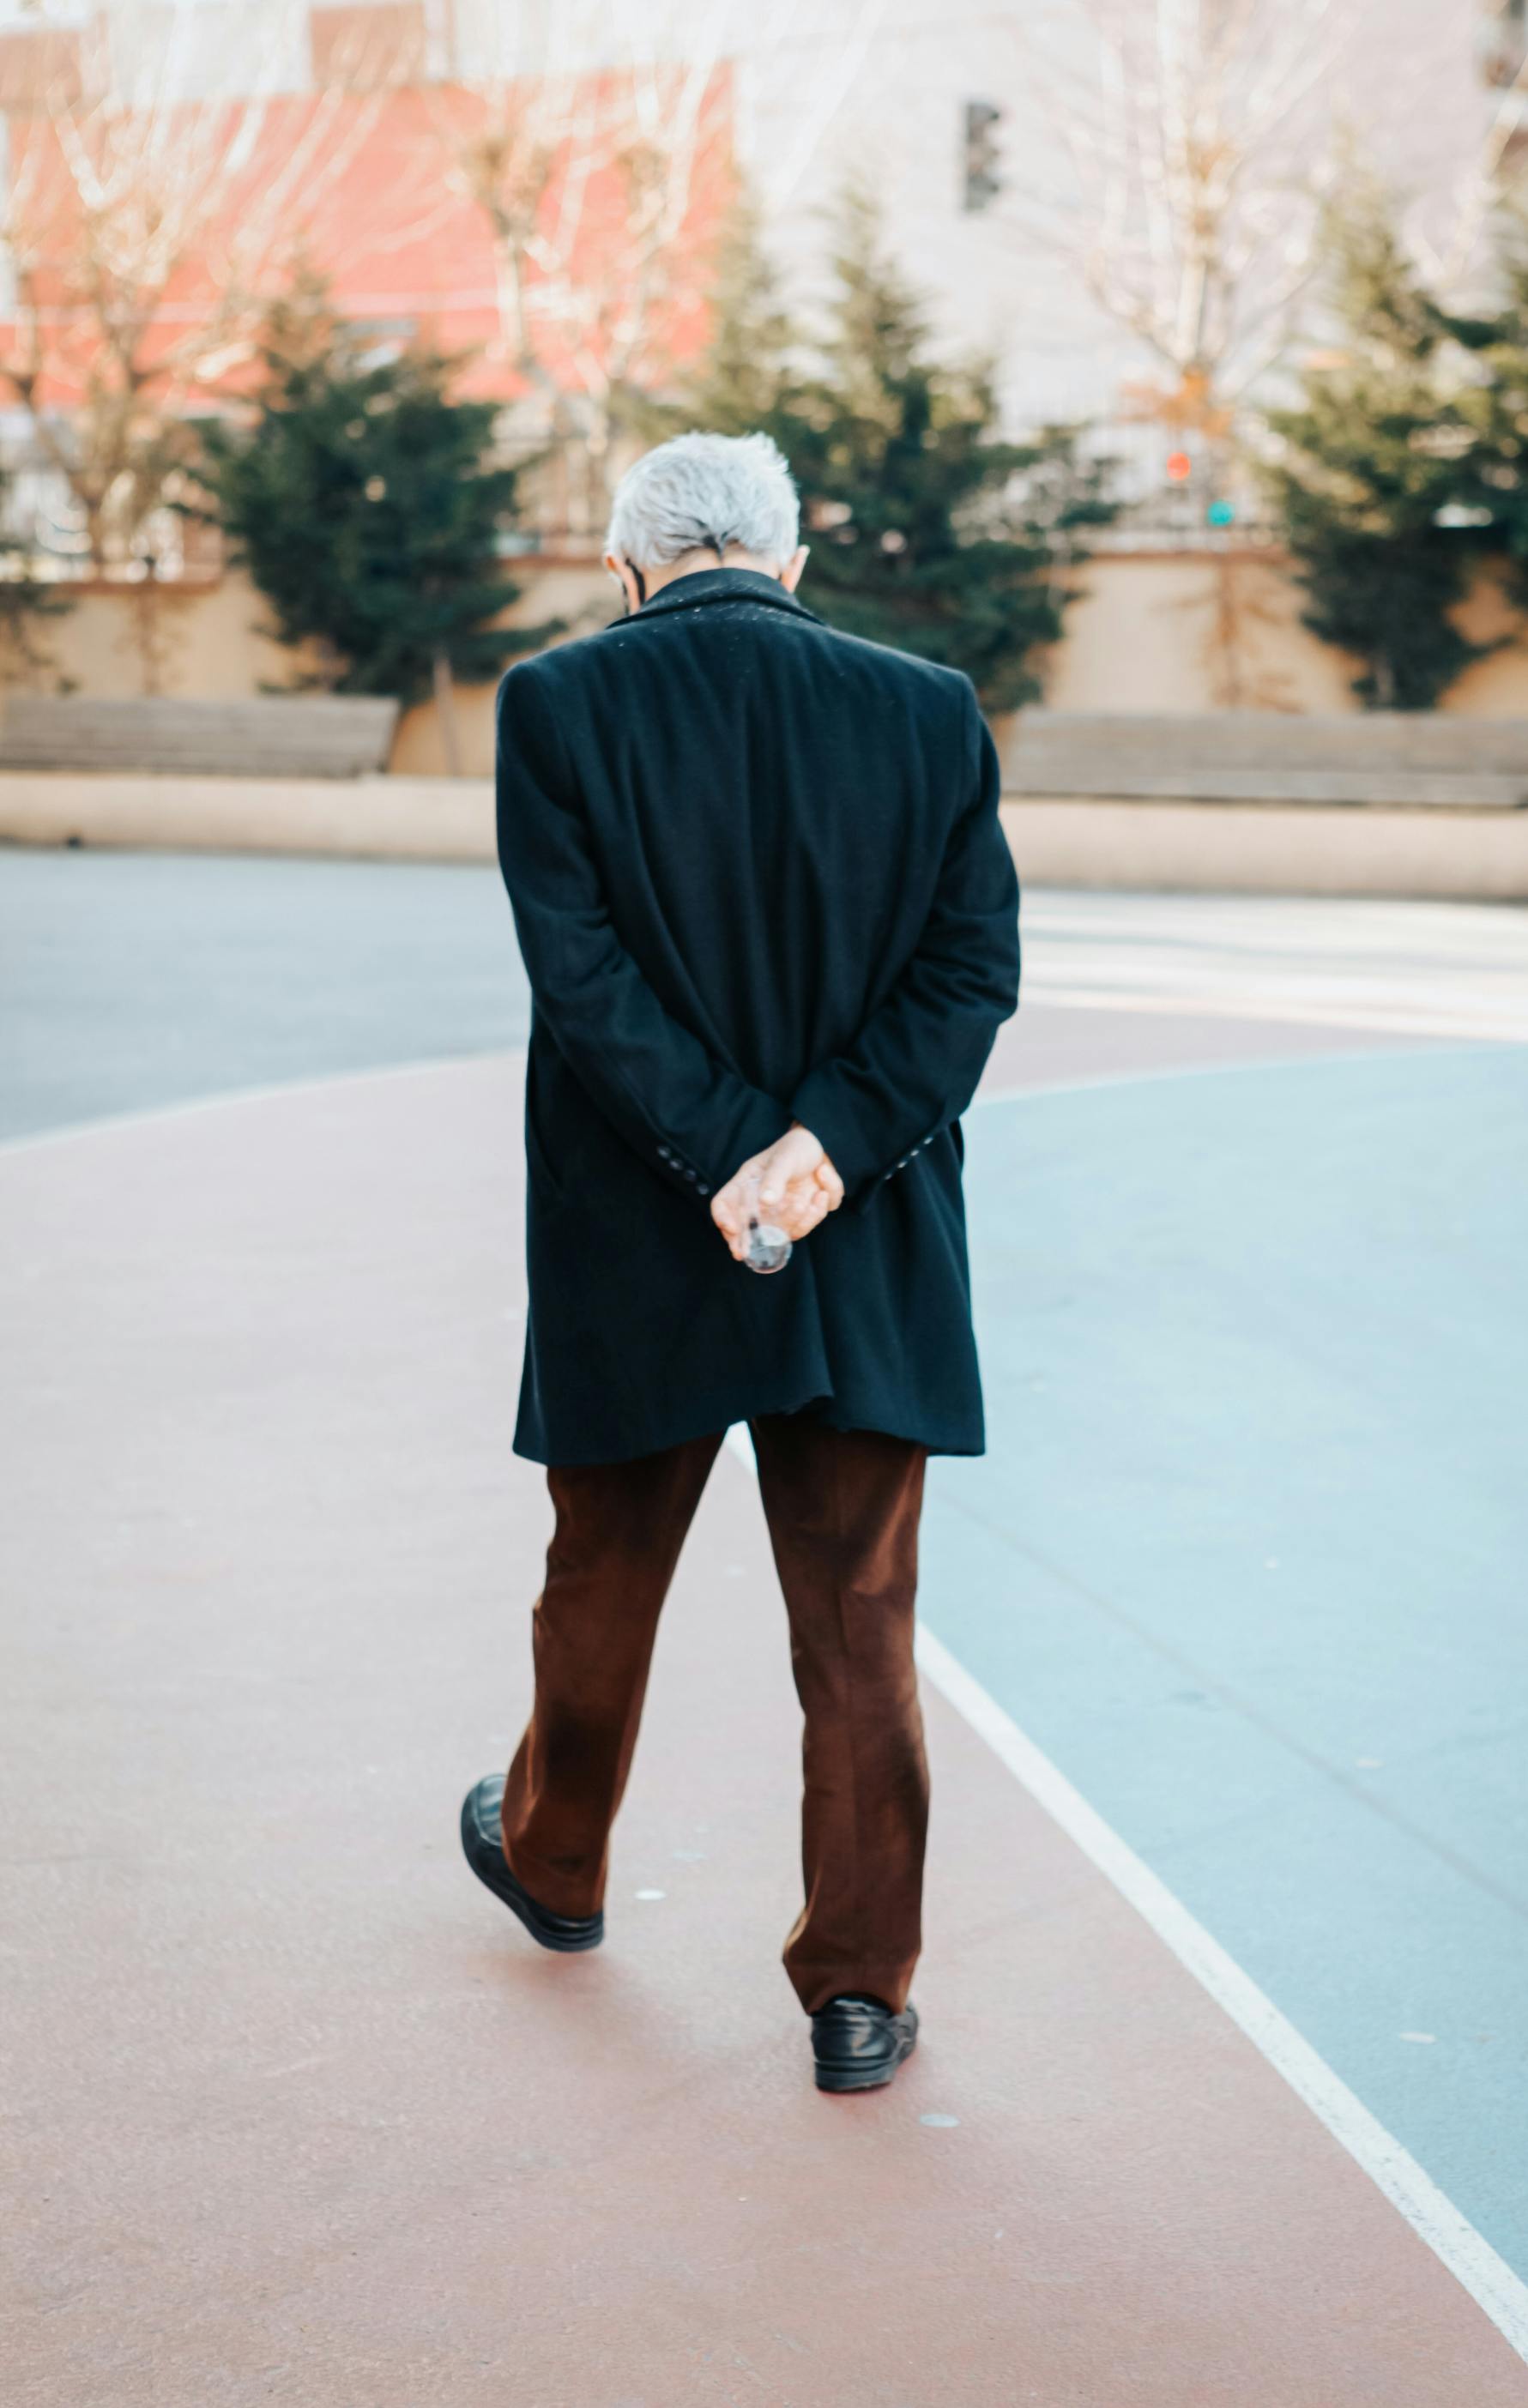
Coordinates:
(301, 2117)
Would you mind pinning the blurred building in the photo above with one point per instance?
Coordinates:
(538, 182)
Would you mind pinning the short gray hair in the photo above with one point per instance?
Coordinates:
(701, 493)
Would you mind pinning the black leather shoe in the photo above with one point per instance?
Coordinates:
(482, 1845)
(858, 2043)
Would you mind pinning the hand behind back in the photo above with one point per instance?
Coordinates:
(791, 1184)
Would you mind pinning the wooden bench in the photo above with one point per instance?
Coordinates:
(269, 736)
(1393, 760)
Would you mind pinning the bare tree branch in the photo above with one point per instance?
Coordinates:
(145, 228)
(585, 156)
(1194, 135)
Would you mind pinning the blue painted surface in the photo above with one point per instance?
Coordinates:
(1248, 1556)
(133, 981)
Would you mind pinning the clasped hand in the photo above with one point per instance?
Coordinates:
(791, 1184)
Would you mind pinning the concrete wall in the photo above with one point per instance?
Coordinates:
(1171, 633)
(206, 641)
(578, 592)
(1182, 632)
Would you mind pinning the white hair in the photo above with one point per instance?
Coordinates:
(703, 493)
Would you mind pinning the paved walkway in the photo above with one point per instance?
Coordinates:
(298, 2116)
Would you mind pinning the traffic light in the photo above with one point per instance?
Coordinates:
(981, 183)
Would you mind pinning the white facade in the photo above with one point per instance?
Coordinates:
(1404, 75)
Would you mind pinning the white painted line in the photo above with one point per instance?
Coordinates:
(985, 1097)
(1452, 2239)
(1472, 2261)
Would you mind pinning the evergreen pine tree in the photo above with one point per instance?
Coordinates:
(748, 373)
(928, 530)
(367, 505)
(1374, 463)
(1492, 474)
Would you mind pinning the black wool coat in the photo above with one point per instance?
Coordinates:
(757, 876)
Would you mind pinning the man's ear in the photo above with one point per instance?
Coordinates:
(791, 576)
(625, 577)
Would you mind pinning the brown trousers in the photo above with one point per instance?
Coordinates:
(843, 1509)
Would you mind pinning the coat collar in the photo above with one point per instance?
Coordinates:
(722, 585)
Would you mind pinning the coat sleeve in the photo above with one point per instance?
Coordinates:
(686, 1112)
(914, 1064)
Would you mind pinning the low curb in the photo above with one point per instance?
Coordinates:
(1445, 854)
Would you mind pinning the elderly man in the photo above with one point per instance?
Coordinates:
(770, 920)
